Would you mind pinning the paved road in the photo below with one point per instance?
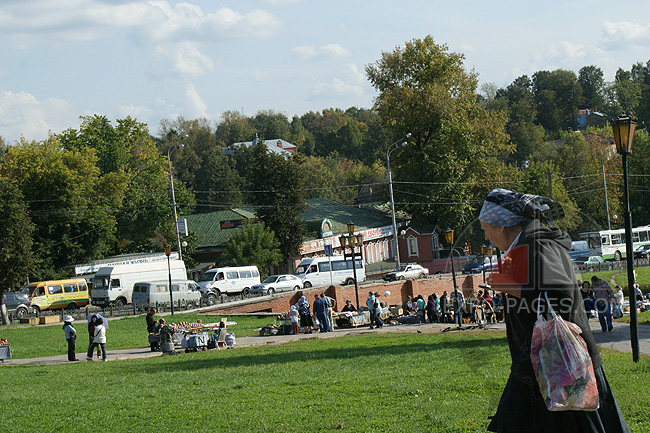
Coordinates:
(618, 339)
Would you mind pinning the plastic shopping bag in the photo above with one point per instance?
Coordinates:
(563, 367)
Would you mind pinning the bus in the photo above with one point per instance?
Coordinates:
(610, 244)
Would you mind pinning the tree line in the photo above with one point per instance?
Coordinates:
(103, 188)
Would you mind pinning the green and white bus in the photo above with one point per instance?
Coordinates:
(610, 244)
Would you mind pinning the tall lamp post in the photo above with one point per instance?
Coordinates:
(352, 241)
(449, 237)
(623, 129)
(170, 149)
(168, 251)
(391, 147)
(483, 253)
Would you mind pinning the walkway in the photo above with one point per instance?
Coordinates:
(618, 339)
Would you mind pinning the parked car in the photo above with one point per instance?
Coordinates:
(406, 272)
(589, 260)
(277, 283)
(643, 252)
(479, 264)
(17, 303)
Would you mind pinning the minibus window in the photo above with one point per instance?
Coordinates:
(245, 274)
(82, 287)
(55, 290)
(40, 291)
(232, 275)
(69, 288)
(161, 288)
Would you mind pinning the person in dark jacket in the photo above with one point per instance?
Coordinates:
(151, 329)
(536, 261)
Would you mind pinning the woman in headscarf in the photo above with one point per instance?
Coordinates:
(535, 261)
(306, 321)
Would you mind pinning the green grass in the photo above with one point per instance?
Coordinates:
(363, 383)
(125, 333)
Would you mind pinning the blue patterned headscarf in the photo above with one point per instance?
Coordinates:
(504, 208)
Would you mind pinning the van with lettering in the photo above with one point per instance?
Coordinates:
(231, 279)
(67, 294)
(113, 285)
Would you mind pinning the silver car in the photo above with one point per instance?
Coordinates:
(277, 283)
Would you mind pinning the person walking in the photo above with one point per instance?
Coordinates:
(604, 296)
(536, 263)
(99, 340)
(331, 302)
(70, 337)
(91, 334)
(320, 310)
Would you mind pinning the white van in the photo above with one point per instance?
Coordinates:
(315, 272)
(235, 279)
(187, 294)
(114, 284)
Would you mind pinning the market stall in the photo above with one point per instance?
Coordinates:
(192, 337)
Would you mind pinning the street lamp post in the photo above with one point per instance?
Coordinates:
(170, 149)
(449, 237)
(483, 253)
(623, 129)
(391, 147)
(168, 251)
(352, 240)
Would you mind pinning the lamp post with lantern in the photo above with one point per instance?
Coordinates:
(623, 129)
(449, 238)
(168, 251)
(352, 240)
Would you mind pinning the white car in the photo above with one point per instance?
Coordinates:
(405, 272)
(277, 283)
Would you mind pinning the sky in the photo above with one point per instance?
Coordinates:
(161, 59)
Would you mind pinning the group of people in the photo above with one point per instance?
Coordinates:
(301, 317)
(447, 308)
(599, 298)
(96, 337)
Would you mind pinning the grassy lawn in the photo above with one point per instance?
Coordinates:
(363, 383)
(125, 333)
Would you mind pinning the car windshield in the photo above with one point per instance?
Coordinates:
(476, 261)
(302, 267)
(207, 276)
(270, 279)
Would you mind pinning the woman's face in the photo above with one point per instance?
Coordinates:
(496, 235)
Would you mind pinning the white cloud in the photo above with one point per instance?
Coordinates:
(261, 75)
(356, 75)
(135, 111)
(277, 3)
(22, 114)
(627, 33)
(571, 50)
(198, 107)
(335, 87)
(329, 51)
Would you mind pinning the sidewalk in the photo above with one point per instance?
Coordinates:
(618, 339)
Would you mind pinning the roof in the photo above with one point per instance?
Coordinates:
(276, 145)
(208, 226)
(340, 215)
(211, 235)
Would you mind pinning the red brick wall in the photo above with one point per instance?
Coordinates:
(399, 290)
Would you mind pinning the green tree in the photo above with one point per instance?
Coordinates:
(590, 79)
(16, 260)
(638, 177)
(70, 205)
(254, 244)
(271, 124)
(557, 95)
(425, 90)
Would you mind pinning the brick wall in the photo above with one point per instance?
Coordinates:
(399, 290)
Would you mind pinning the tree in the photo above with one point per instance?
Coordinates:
(16, 259)
(254, 244)
(590, 79)
(277, 193)
(557, 95)
(70, 205)
(425, 90)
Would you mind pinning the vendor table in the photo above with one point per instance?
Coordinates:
(5, 352)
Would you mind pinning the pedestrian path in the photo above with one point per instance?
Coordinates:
(617, 339)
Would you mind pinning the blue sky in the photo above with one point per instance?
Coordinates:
(161, 59)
